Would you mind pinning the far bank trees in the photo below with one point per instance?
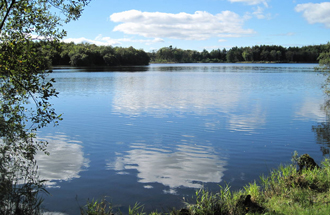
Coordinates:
(263, 53)
(85, 54)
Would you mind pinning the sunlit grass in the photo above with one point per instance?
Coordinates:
(97, 207)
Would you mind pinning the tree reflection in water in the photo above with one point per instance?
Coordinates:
(20, 185)
(322, 130)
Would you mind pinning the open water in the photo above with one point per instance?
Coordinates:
(154, 134)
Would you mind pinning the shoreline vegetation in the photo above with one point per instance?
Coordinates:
(299, 188)
(85, 54)
(244, 62)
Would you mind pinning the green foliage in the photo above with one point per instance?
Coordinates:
(324, 58)
(247, 54)
(284, 191)
(137, 209)
(324, 62)
(102, 207)
(205, 203)
(322, 130)
(289, 190)
(95, 207)
(25, 93)
(264, 53)
(23, 75)
(85, 54)
(253, 189)
(19, 185)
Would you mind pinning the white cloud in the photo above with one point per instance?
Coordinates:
(289, 34)
(198, 26)
(259, 13)
(97, 41)
(315, 12)
(252, 2)
(229, 35)
(107, 41)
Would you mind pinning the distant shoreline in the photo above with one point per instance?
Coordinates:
(240, 62)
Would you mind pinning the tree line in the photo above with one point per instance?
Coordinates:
(85, 54)
(263, 53)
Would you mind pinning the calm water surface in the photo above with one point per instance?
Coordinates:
(155, 134)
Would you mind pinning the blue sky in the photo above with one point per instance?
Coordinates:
(202, 24)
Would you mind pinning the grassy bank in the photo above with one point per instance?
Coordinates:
(299, 188)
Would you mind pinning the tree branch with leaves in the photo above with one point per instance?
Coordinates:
(25, 89)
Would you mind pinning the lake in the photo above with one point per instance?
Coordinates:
(154, 134)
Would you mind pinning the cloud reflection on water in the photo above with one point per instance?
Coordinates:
(311, 109)
(255, 119)
(185, 165)
(65, 162)
(163, 94)
(176, 94)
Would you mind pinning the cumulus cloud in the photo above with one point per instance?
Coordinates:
(259, 13)
(198, 26)
(251, 2)
(100, 40)
(315, 12)
(228, 35)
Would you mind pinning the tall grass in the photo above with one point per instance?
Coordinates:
(97, 207)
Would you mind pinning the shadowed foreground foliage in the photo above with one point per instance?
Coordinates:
(299, 188)
(25, 93)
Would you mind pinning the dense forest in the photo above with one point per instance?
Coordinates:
(263, 53)
(85, 54)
